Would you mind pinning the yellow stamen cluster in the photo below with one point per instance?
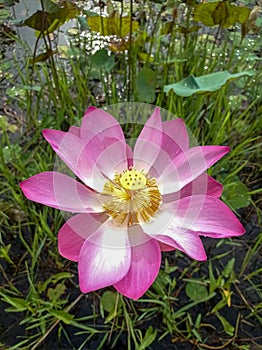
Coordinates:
(134, 197)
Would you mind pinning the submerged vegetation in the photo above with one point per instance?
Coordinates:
(201, 61)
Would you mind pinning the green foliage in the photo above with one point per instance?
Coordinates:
(101, 61)
(146, 85)
(51, 17)
(204, 83)
(237, 195)
(119, 26)
(189, 300)
(220, 13)
(195, 291)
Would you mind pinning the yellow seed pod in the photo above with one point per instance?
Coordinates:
(133, 180)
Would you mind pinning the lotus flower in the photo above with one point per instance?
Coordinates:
(131, 204)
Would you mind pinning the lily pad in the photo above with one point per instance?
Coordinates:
(205, 83)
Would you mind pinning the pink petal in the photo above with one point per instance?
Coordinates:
(75, 231)
(129, 156)
(203, 184)
(104, 258)
(75, 130)
(60, 191)
(188, 165)
(165, 247)
(185, 240)
(144, 268)
(97, 121)
(72, 150)
(176, 129)
(148, 144)
(166, 229)
(208, 216)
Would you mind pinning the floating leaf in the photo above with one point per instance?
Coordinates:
(220, 13)
(112, 26)
(196, 291)
(236, 194)
(204, 83)
(146, 85)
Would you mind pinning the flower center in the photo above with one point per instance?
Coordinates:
(134, 197)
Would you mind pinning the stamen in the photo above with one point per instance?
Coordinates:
(134, 197)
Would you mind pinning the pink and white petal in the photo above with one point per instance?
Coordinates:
(188, 165)
(72, 150)
(104, 258)
(208, 216)
(97, 121)
(110, 154)
(184, 240)
(62, 192)
(176, 129)
(75, 231)
(144, 268)
(203, 184)
(149, 141)
(166, 154)
(166, 228)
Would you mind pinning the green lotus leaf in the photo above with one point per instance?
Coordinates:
(205, 83)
